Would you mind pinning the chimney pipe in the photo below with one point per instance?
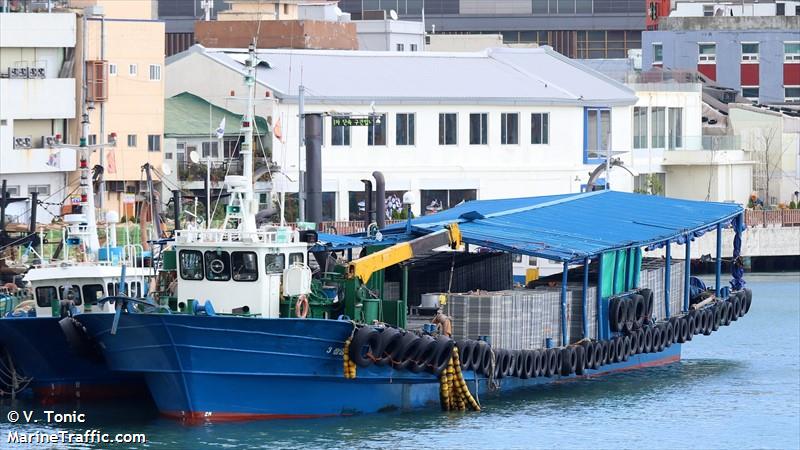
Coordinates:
(367, 203)
(380, 199)
(313, 181)
(34, 208)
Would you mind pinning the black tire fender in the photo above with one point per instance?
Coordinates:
(568, 361)
(387, 341)
(442, 355)
(616, 314)
(648, 339)
(598, 355)
(588, 352)
(362, 345)
(478, 355)
(580, 360)
(630, 309)
(486, 359)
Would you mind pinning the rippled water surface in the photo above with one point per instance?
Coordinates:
(738, 388)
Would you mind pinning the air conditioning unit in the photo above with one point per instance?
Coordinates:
(23, 141)
(26, 72)
(49, 141)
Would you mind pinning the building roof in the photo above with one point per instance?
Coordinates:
(571, 227)
(187, 115)
(535, 76)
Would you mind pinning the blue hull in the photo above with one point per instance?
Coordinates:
(228, 368)
(40, 352)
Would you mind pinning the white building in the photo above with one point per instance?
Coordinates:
(453, 126)
(706, 8)
(37, 98)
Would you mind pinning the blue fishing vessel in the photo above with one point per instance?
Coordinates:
(41, 357)
(250, 332)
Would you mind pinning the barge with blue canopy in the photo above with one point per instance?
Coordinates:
(241, 327)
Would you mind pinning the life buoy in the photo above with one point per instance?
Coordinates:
(301, 307)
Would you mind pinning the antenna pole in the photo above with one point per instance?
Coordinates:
(87, 190)
(248, 217)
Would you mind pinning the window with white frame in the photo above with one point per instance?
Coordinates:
(133, 70)
(509, 128)
(675, 128)
(404, 129)
(750, 92)
(155, 72)
(92, 139)
(340, 133)
(153, 143)
(413, 47)
(376, 133)
(597, 134)
(400, 47)
(210, 149)
(640, 127)
(12, 191)
(132, 140)
(707, 53)
(791, 52)
(448, 129)
(540, 128)
(40, 189)
(478, 128)
(658, 127)
(749, 52)
(112, 69)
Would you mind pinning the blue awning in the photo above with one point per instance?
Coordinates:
(571, 227)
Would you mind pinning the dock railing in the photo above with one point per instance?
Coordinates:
(774, 218)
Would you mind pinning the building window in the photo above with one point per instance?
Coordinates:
(708, 10)
(749, 52)
(597, 134)
(750, 92)
(478, 128)
(675, 128)
(210, 149)
(791, 93)
(400, 47)
(658, 53)
(640, 127)
(658, 127)
(404, 130)
(12, 191)
(540, 128)
(780, 9)
(133, 69)
(433, 201)
(92, 139)
(376, 133)
(791, 51)
(448, 129)
(650, 183)
(153, 143)
(707, 53)
(413, 47)
(340, 134)
(115, 186)
(132, 140)
(155, 72)
(509, 128)
(112, 70)
(40, 189)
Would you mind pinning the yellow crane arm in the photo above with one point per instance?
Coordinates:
(363, 268)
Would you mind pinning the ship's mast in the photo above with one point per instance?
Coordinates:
(247, 201)
(87, 190)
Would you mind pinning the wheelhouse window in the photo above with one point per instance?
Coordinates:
(92, 293)
(45, 296)
(70, 292)
(218, 265)
(245, 266)
(296, 258)
(191, 264)
(274, 263)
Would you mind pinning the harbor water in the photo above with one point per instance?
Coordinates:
(738, 388)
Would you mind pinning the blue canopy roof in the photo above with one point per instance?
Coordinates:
(571, 227)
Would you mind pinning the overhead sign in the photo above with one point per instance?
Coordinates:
(343, 121)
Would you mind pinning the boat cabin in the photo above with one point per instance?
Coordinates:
(241, 272)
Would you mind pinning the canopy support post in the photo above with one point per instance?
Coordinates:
(718, 269)
(584, 303)
(564, 341)
(687, 273)
(667, 270)
(601, 333)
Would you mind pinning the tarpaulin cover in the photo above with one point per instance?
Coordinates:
(571, 227)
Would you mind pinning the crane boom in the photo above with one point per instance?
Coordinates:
(363, 268)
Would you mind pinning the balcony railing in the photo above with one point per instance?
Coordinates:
(189, 171)
(704, 143)
(344, 226)
(778, 217)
